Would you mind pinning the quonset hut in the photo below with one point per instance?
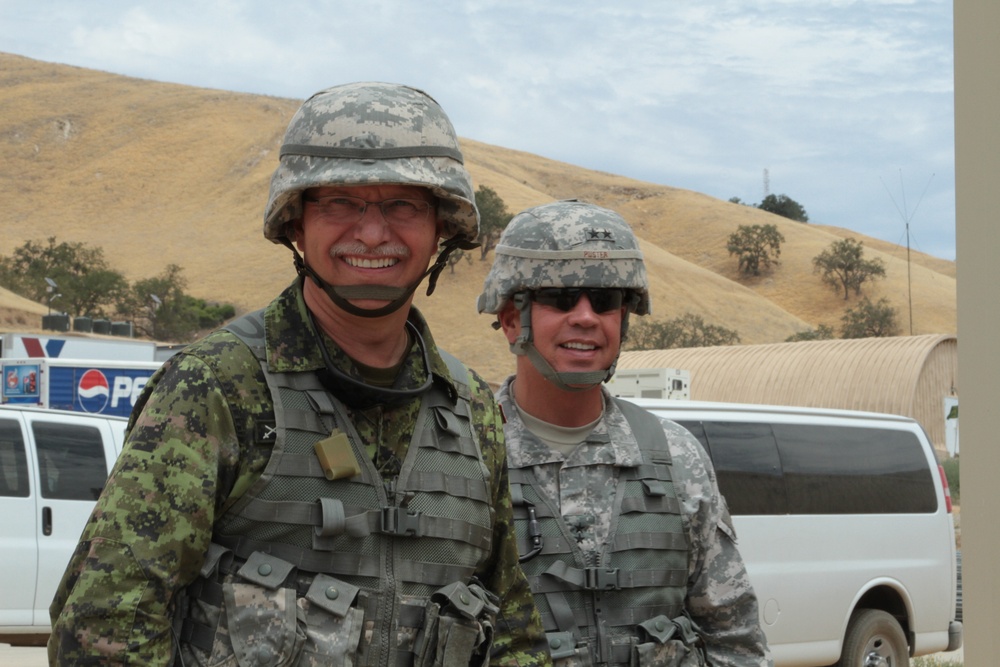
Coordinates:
(916, 376)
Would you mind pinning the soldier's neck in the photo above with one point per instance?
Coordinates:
(547, 402)
(379, 342)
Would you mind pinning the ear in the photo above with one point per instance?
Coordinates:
(294, 231)
(510, 321)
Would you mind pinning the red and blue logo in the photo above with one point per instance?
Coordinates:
(93, 391)
(34, 348)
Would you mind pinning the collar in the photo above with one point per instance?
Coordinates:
(525, 449)
(291, 346)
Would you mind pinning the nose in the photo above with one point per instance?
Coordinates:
(583, 313)
(372, 229)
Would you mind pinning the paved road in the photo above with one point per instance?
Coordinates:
(17, 656)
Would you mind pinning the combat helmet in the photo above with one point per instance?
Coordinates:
(372, 133)
(564, 244)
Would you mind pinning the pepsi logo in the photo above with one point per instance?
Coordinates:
(93, 391)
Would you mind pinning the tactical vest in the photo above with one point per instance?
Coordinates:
(325, 563)
(627, 610)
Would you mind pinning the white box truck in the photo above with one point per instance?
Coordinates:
(83, 385)
(672, 383)
(47, 346)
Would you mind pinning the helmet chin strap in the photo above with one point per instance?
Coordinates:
(396, 296)
(567, 380)
(359, 394)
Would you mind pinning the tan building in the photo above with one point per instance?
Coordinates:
(905, 375)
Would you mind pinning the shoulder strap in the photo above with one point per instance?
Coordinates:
(647, 428)
(459, 374)
(651, 437)
(250, 329)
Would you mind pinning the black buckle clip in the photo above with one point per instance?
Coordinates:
(400, 521)
(601, 579)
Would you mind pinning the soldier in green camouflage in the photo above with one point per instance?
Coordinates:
(625, 538)
(317, 483)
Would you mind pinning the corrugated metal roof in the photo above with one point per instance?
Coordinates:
(905, 375)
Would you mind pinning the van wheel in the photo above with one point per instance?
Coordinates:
(874, 639)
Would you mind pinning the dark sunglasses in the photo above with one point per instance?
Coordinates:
(565, 298)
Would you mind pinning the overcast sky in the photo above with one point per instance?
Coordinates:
(845, 106)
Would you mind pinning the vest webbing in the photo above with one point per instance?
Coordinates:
(407, 537)
(641, 575)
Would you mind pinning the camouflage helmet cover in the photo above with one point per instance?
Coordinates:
(367, 134)
(565, 244)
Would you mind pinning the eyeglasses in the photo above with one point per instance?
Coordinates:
(565, 299)
(344, 209)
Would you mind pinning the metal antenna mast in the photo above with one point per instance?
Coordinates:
(906, 219)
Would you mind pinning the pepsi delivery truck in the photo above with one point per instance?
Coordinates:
(81, 385)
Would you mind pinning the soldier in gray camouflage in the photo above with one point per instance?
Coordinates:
(317, 483)
(625, 538)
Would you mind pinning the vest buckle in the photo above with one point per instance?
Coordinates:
(400, 521)
(602, 579)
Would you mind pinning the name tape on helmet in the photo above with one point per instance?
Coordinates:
(581, 253)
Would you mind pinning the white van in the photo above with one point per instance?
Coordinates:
(844, 521)
(53, 466)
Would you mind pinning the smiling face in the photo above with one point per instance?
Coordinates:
(370, 250)
(577, 340)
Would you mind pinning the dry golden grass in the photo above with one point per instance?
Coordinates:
(160, 174)
(17, 313)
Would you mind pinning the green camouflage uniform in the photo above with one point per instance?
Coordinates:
(197, 441)
(719, 599)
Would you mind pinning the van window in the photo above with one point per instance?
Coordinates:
(747, 466)
(767, 468)
(847, 470)
(13, 460)
(71, 461)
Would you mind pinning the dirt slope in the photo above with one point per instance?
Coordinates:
(160, 174)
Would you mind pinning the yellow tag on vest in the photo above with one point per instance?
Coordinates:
(336, 456)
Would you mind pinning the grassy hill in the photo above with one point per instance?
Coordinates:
(160, 174)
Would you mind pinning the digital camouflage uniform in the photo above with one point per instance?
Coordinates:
(616, 560)
(719, 597)
(198, 440)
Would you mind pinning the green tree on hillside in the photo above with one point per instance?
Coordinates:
(870, 320)
(784, 206)
(688, 330)
(160, 309)
(822, 332)
(493, 218)
(843, 265)
(757, 246)
(86, 285)
(157, 307)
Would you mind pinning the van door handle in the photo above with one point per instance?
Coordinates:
(46, 521)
